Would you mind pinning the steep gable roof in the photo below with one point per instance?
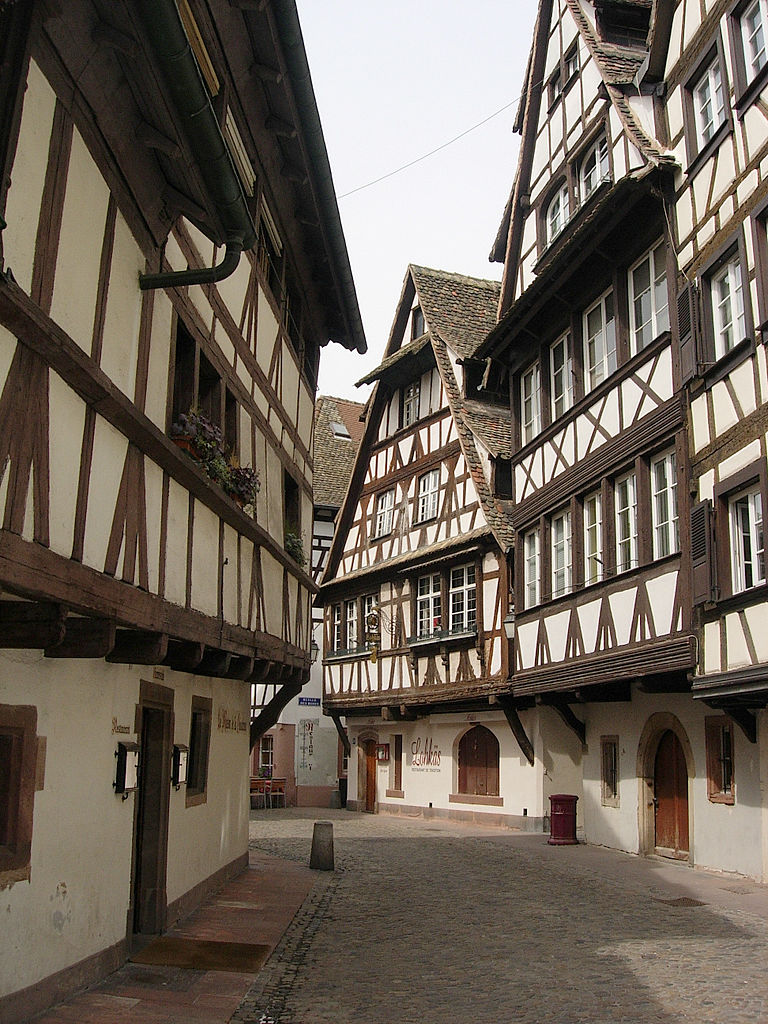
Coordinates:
(335, 453)
(460, 310)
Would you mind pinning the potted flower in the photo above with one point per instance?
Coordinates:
(243, 484)
(294, 546)
(204, 442)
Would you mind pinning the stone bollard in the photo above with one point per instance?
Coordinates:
(321, 857)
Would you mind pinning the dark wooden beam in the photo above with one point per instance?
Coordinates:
(110, 37)
(562, 708)
(31, 624)
(266, 73)
(745, 720)
(183, 204)
(184, 656)
(153, 139)
(262, 668)
(214, 663)
(270, 714)
(336, 719)
(241, 667)
(390, 714)
(408, 714)
(512, 717)
(137, 647)
(294, 173)
(84, 638)
(278, 126)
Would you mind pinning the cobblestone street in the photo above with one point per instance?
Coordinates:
(423, 920)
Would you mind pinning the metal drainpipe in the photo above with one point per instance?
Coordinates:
(189, 95)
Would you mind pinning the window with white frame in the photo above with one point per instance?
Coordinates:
(463, 599)
(747, 539)
(599, 341)
(337, 629)
(350, 619)
(385, 505)
(557, 212)
(666, 534)
(530, 403)
(708, 102)
(429, 486)
(571, 63)
(428, 605)
(727, 294)
(753, 24)
(532, 568)
(411, 397)
(560, 377)
(648, 300)
(266, 754)
(594, 168)
(626, 522)
(593, 538)
(560, 531)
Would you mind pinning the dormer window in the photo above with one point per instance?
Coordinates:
(557, 213)
(624, 23)
(411, 396)
(417, 322)
(340, 430)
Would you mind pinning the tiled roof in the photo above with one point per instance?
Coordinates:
(461, 310)
(411, 349)
(492, 425)
(335, 453)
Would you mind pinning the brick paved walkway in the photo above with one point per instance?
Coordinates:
(429, 921)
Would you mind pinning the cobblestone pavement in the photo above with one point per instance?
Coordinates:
(429, 921)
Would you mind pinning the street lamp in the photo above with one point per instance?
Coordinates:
(509, 624)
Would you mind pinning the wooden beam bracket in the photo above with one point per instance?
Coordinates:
(137, 647)
(336, 719)
(512, 717)
(84, 638)
(574, 724)
(31, 624)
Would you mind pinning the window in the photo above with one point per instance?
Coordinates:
(384, 513)
(609, 771)
(532, 568)
(560, 377)
(463, 598)
(571, 64)
(350, 618)
(199, 743)
(530, 403)
(708, 103)
(595, 167)
(747, 539)
(428, 606)
(18, 760)
(411, 404)
(666, 535)
(626, 523)
(338, 644)
(398, 765)
(561, 553)
(557, 213)
(593, 539)
(599, 342)
(727, 296)
(418, 326)
(649, 308)
(753, 24)
(266, 755)
(429, 485)
(555, 86)
(718, 733)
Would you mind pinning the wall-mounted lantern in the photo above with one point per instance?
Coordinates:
(314, 652)
(509, 624)
(382, 752)
(179, 763)
(127, 768)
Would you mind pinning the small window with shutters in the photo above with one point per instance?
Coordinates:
(738, 553)
(396, 768)
(721, 788)
(688, 331)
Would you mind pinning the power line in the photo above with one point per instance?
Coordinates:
(432, 152)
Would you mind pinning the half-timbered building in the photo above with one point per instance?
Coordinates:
(416, 591)
(632, 286)
(171, 261)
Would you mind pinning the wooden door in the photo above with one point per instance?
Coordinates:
(479, 762)
(671, 797)
(370, 775)
(151, 839)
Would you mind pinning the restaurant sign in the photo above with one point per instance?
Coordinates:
(425, 755)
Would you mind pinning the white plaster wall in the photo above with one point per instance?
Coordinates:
(76, 901)
(67, 416)
(724, 838)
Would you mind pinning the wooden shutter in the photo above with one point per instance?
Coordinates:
(701, 552)
(687, 331)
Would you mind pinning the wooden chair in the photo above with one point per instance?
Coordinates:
(277, 792)
(259, 792)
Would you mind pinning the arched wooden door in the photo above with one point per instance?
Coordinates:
(479, 762)
(670, 780)
(370, 775)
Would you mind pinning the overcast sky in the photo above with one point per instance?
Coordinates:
(394, 81)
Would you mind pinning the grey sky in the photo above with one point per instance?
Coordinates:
(394, 81)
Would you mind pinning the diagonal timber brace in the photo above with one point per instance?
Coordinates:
(745, 720)
(510, 713)
(270, 714)
(573, 723)
(342, 734)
